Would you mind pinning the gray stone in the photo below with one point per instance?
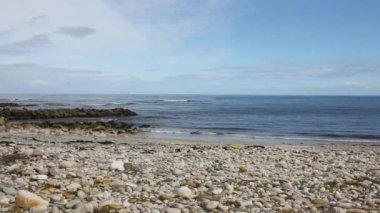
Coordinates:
(67, 164)
(336, 210)
(173, 210)
(210, 205)
(53, 171)
(72, 204)
(38, 209)
(9, 190)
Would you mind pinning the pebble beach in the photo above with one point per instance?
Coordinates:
(49, 171)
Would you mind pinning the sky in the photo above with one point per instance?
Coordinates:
(254, 47)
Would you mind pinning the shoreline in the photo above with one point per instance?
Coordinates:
(43, 134)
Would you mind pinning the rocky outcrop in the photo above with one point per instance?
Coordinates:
(29, 114)
(16, 105)
(98, 126)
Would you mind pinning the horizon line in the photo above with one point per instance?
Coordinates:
(197, 94)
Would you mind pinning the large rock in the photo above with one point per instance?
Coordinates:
(26, 199)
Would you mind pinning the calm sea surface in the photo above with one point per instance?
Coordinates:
(245, 117)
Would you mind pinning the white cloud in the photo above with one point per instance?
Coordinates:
(132, 25)
(26, 46)
(41, 73)
(353, 83)
(28, 77)
(39, 82)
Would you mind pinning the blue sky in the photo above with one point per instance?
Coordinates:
(299, 47)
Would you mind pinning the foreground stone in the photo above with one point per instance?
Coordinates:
(28, 200)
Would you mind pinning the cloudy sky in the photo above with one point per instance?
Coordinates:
(301, 47)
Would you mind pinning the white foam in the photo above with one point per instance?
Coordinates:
(175, 100)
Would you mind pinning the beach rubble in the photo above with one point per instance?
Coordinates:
(134, 176)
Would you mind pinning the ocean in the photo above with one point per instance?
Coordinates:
(233, 117)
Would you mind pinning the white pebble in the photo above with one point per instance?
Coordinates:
(117, 165)
(185, 192)
(39, 177)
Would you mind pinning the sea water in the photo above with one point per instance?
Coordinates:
(235, 116)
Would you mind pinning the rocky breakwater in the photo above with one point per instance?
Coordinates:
(30, 114)
(65, 121)
(11, 104)
(181, 178)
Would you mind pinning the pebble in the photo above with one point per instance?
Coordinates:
(345, 205)
(55, 197)
(118, 165)
(246, 203)
(243, 169)
(185, 192)
(73, 187)
(126, 203)
(9, 190)
(357, 211)
(178, 172)
(336, 210)
(39, 177)
(52, 171)
(376, 173)
(236, 146)
(83, 208)
(81, 194)
(28, 199)
(366, 183)
(38, 209)
(55, 210)
(72, 204)
(319, 202)
(222, 207)
(67, 164)
(4, 200)
(173, 210)
(37, 153)
(210, 205)
(217, 191)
